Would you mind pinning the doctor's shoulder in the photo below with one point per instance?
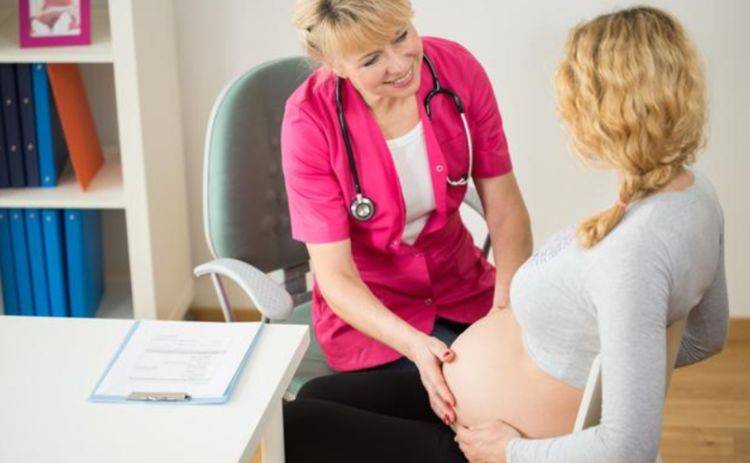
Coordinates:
(310, 108)
(450, 55)
(315, 93)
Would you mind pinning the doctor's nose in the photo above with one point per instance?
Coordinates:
(397, 64)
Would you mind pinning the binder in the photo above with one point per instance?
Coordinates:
(13, 149)
(37, 262)
(7, 266)
(54, 249)
(28, 126)
(77, 122)
(4, 172)
(21, 261)
(83, 243)
(53, 152)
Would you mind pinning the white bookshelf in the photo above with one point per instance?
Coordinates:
(104, 192)
(144, 176)
(100, 50)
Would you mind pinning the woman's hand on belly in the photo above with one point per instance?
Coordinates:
(485, 442)
(428, 354)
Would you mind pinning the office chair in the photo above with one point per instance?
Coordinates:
(246, 220)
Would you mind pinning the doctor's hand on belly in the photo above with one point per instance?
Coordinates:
(351, 299)
(429, 354)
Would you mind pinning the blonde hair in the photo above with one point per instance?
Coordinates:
(631, 90)
(332, 28)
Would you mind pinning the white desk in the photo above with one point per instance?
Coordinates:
(49, 366)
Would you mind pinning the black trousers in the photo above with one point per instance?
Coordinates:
(366, 417)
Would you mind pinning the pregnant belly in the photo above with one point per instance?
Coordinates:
(492, 378)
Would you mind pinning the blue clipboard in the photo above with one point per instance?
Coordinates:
(187, 401)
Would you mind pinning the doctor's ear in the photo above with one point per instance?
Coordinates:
(335, 66)
(336, 70)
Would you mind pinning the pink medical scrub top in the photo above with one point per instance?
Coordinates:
(443, 274)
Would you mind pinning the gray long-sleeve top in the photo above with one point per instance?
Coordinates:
(662, 263)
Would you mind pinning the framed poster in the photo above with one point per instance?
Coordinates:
(44, 23)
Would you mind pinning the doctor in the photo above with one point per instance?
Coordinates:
(378, 146)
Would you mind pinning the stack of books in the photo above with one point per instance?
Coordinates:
(50, 259)
(51, 262)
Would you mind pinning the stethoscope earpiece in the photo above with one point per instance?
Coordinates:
(363, 208)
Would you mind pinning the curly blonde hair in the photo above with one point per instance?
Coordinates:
(332, 28)
(631, 90)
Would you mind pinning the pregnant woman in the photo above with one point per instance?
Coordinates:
(631, 91)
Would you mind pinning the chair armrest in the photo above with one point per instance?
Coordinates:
(266, 295)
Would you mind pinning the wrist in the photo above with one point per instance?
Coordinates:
(413, 342)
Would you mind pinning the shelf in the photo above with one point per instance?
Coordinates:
(100, 50)
(104, 192)
(117, 301)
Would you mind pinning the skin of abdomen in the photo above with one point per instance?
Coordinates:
(492, 377)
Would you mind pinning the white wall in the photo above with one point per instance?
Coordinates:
(519, 43)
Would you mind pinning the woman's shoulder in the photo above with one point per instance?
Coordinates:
(664, 226)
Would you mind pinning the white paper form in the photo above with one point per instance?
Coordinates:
(196, 358)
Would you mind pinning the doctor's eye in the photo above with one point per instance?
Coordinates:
(401, 36)
(370, 61)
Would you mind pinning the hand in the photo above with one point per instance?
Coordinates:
(428, 354)
(485, 443)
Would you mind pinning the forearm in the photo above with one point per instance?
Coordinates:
(511, 245)
(352, 300)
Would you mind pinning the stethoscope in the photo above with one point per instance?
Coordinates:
(363, 208)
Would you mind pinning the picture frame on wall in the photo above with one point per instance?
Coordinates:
(49, 23)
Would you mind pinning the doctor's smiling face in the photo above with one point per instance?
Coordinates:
(388, 71)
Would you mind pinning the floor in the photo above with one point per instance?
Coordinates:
(707, 416)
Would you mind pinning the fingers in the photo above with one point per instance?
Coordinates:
(463, 434)
(441, 387)
(441, 410)
(440, 350)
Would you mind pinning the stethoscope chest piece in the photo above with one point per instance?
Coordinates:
(362, 208)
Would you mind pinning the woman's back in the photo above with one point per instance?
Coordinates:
(662, 262)
(669, 246)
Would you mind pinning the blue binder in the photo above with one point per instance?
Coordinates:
(28, 125)
(54, 249)
(12, 126)
(53, 151)
(21, 260)
(8, 266)
(37, 262)
(4, 168)
(83, 242)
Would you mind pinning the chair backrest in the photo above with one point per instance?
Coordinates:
(244, 202)
(590, 410)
